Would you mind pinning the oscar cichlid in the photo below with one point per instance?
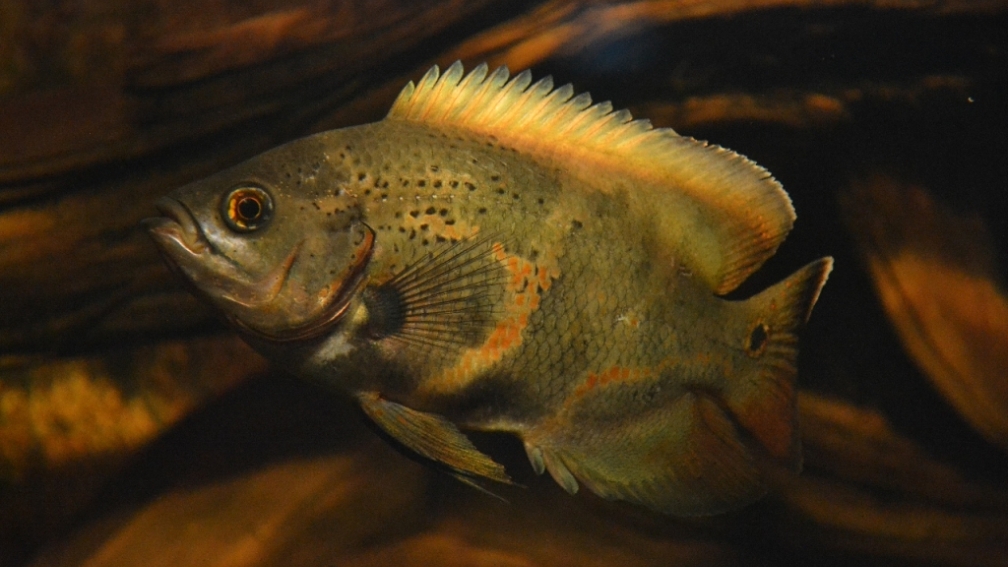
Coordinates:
(504, 256)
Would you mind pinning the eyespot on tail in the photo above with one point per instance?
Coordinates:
(765, 405)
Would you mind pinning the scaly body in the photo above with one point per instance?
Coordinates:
(492, 278)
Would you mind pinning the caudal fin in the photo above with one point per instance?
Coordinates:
(765, 406)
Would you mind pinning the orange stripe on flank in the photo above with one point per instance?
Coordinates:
(525, 280)
(610, 375)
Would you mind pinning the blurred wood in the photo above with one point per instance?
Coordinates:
(867, 489)
(936, 275)
(67, 426)
(171, 74)
(267, 517)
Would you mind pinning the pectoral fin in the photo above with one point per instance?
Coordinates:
(433, 437)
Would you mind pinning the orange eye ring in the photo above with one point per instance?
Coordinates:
(247, 208)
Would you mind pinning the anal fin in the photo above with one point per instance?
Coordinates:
(433, 437)
(684, 457)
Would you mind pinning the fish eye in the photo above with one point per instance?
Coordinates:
(247, 208)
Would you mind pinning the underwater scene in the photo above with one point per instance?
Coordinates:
(533, 283)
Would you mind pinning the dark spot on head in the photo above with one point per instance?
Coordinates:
(425, 242)
(470, 186)
(405, 182)
(757, 340)
(398, 214)
(481, 210)
(576, 224)
(515, 196)
(424, 226)
(422, 183)
(443, 212)
(412, 234)
(540, 200)
(437, 184)
(430, 210)
(402, 229)
(495, 177)
(435, 169)
(501, 191)
(361, 176)
(449, 222)
(414, 213)
(367, 191)
(440, 238)
(453, 183)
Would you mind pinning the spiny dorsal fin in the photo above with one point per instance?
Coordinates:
(719, 211)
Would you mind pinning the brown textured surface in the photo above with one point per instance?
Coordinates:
(106, 105)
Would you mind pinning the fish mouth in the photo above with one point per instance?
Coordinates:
(177, 227)
(349, 284)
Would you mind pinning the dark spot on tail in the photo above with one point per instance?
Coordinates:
(757, 341)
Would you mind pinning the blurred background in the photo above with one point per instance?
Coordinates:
(136, 430)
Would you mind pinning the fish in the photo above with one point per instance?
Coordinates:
(504, 256)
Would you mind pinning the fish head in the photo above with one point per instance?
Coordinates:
(276, 244)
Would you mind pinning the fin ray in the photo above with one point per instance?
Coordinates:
(433, 437)
(448, 298)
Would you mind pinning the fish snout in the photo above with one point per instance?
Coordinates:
(176, 227)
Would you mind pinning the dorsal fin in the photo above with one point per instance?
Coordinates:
(722, 213)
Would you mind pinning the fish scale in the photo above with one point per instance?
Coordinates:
(505, 256)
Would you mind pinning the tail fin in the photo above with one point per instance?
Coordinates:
(765, 407)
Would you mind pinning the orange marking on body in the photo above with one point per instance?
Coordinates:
(520, 301)
(610, 375)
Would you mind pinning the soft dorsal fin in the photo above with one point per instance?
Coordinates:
(722, 213)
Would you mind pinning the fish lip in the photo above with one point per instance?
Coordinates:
(178, 225)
